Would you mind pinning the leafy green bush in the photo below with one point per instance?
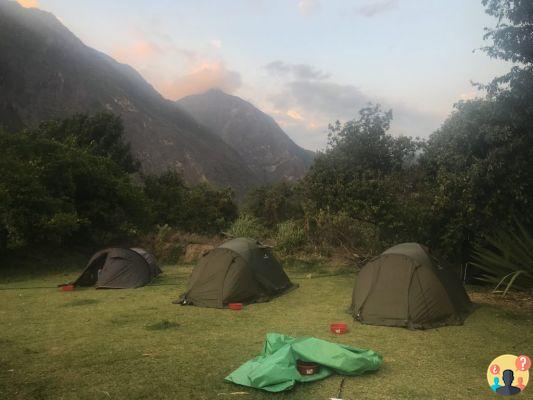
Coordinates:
(339, 230)
(165, 244)
(507, 259)
(274, 203)
(247, 226)
(290, 236)
(198, 208)
(57, 192)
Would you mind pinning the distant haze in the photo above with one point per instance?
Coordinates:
(304, 62)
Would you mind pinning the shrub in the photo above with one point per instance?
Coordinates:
(290, 236)
(339, 230)
(274, 203)
(247, 226)
(165, 245)
(507, 259)
(57, 192)
(198, 208)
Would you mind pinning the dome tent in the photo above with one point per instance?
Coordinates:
(240, 270)
(119, 268)
(404, 287)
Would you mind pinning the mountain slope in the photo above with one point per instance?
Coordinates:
(264, 146)
(47, 72)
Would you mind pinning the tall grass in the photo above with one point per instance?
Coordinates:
(290, 236)
(247, 226)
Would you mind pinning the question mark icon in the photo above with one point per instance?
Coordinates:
(523, 363)
(495, 369)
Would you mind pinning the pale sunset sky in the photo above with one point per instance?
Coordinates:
(304, 62)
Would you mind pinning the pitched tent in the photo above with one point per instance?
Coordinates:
(119, 268)
(240, 270)
(404, 287)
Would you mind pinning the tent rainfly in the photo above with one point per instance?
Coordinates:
(405, 287)
(241, 270)
(119, 268)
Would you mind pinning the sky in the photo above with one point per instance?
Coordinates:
(306, 63)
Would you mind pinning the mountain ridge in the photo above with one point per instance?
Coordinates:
(47, 72)
(269, 152)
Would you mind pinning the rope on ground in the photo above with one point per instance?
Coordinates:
(33, 287)
(311, 276)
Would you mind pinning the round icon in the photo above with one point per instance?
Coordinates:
(523, 363)
(508, 374)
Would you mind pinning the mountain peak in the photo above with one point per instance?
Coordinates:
(258, 139)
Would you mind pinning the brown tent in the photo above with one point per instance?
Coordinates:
(119, 268)
(241, 270)
(405, 287)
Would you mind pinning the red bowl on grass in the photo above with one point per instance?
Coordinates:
(67, 288)
(235, 306)
(307, 368)
(339, 328)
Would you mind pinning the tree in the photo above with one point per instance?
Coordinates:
(370, 175)
(274, 203)
(197, 208)
(102, 134)
(512, 38)
(480, 158)
(57, 192)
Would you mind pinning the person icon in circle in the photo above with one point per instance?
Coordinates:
(508, 389)
(496, 383)
(520, 383)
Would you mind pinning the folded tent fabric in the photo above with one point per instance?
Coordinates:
(275, 369)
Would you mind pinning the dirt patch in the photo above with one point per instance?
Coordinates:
(194, 251)
(517, 302)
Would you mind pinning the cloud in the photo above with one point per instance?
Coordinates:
(29, 3)
(173, 70)
(216, 43)
(207, 75)
(324, 98)
(373, 8)
(305, 108)
(297, 71)
(143, 49)
(307, 7)
(294, 115)
(469, 95)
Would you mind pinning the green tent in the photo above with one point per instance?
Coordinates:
(241, 270)
(275, 369)
(119, 268)
(404, 286)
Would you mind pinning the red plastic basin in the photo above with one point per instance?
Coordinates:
(307, 368)
(338, 328)
(235, 306)
(67, 288)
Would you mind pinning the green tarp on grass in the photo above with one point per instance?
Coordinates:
(275, 369)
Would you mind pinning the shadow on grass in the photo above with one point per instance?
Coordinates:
(81, 302)
(162, 325)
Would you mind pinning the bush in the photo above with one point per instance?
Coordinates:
(247, 226)
(199, 208)
(339, 230)
(168, 245)
(274, 203)
(57, 192)
(507, 259)
(290, 236)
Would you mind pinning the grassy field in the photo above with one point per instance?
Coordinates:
(135, 344)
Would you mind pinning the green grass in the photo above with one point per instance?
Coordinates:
(135, 344)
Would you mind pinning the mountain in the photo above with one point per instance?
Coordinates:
(258, 139)
(47, 72)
